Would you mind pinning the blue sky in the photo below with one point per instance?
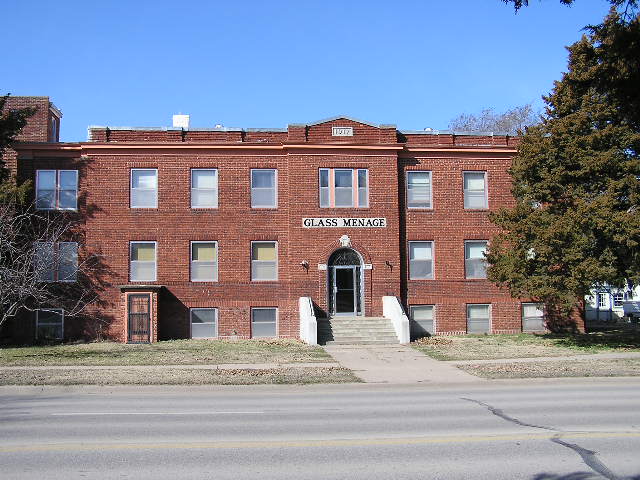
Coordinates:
(415, 64)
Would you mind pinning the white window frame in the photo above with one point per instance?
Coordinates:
(217, 314)
(192, 261)
(466, 259)
(600, 304)
(408, 173)
(490, 313)
(486, 190)
(60, 310)
(131, 187)
(355, 187)
(275, 188)
(252, 260)
(433, 260)
(54, 264)
(155, 261)
(433, 310)
(57, 190)
(277, 321)
(215, 189)
(617, 303)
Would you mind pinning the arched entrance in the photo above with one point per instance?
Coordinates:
(345, 283)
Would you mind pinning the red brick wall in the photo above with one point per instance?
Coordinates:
(111, 225)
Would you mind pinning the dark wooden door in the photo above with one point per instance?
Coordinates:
(139, 321)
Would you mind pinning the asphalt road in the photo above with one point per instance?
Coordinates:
(543, 430)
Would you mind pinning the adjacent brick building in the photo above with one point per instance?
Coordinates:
(217, 232)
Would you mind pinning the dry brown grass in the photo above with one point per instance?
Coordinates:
(177, 376)
(553, 369)
(174, 352)
(478, 347)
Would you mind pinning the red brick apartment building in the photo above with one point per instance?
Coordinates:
(228, 232)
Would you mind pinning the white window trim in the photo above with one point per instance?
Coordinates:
(191, 261)
(433, 306)
(355, 188)
(191, 322)
(357, 199)
(57, 189)
(277, 320)
(433, 259)
(486, 189)
(430, 172)
(49, 310)
(275, 186)
(466, 274)
(192, 187)
(490, 315)
(131, 188)
(252, 260)
(155, 261)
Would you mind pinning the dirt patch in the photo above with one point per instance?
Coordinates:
(550, 369)
(175, 376)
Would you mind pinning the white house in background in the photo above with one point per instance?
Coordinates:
(610, 304)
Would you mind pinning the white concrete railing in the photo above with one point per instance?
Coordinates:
(308, 323)
(392, 309)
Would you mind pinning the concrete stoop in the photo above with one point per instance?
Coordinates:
(356, 331)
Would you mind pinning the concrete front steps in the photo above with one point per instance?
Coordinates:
(356, 331)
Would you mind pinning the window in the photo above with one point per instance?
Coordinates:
(264, 191)
(204, 322)
(337, 188)
(475, 190)
(143, 262)
(57, 189)
(204, 261)
(50, 324)
(264, 322)
(419, 189)
(56, 261)
(420, 260)
(618, 299)
(264, 261)
(475, 265)
(144, 188)
(422, 322)
(603, 300)
(204, 188)
(532, 317)
(478, 319)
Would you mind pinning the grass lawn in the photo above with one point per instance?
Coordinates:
(177, 376)
(175, 352)
(480, 347)
(555, 369)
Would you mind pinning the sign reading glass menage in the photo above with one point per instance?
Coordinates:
(342, 222)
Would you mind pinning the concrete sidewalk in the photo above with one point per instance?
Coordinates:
(397, 364)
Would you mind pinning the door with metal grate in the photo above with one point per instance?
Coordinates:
(139, 321)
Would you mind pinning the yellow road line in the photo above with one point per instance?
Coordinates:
(357, 442)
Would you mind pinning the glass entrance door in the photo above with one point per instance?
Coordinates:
(344, 290)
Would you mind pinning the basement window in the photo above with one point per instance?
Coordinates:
(478, 318)
(204, 322)
(49, 324)
(264, 322)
